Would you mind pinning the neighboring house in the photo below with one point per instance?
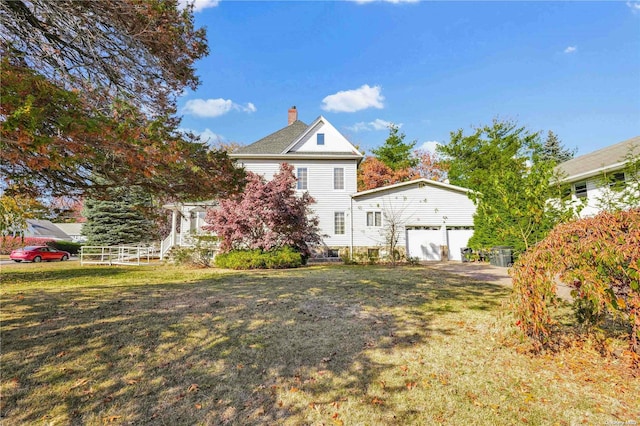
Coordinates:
(44, 229)
(73, 230)
(586, 174)
(435, 216)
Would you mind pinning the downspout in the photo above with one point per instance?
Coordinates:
(351, 228)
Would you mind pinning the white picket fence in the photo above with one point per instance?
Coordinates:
(118, 255)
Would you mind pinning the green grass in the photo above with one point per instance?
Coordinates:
(318, 345)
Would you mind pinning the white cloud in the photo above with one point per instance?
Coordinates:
(354, 100)
(198, 5)
(429, 146)
(570, 49)
(377, 124)
(215, 107)
(634, 6)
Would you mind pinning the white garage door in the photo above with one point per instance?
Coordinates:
(424, 243)
(457, 238)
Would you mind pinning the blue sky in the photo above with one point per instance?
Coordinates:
(431, 67)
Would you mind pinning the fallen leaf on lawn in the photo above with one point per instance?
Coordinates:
(404, 368)
(383, 384)
(327, 359)
(110, 419)
(293, 390)
(198, 406)
(336, 404)
(61, 354)
(377, 401)
(193, 388)
(132, 381)
(240, 366)
(410, 385)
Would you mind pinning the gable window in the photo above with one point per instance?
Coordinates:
(320, 139)
(338, 223)
(374, 218)
(302, 178)
(580, 189)
(338, 178)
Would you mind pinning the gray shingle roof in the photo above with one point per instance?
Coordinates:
(591, 164)
(276, 142)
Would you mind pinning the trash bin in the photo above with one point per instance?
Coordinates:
(501, 256)
(465, 254)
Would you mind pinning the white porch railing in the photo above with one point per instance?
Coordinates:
(117, 255)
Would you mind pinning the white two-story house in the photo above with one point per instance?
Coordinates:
(435, 220)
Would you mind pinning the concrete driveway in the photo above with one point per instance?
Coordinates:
(488, 273)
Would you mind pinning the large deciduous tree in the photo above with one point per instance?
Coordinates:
(88, 99)
(267, 215)
(503, 166)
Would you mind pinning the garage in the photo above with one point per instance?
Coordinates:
(424, 243)
(457, 238)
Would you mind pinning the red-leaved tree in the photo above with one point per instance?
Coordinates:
(267, 215)
(599, 258)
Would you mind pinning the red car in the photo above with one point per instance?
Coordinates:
(38, 254)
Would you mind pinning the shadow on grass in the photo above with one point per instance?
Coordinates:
(232, 349)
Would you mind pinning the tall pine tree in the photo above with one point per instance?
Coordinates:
(395, 153)
(121, 217)
(554, 151)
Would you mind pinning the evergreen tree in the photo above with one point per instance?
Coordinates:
(121, 217)
(503, 165)
(554, 151)
(395, 153)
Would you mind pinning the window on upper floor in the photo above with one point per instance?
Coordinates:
(338, 178)
(580, 189)
(374, 218)
(302, 178)
(320, 138)
(338, 223)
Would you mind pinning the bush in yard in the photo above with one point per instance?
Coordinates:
(285, 257)
(599, 258)
(268, 215)
(8, 243)
(70, 246)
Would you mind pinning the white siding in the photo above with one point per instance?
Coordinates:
(320, 187)
(333, 140)
(416, 206)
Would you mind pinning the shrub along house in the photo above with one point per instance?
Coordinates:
(430, 218)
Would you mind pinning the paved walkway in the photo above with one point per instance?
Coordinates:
(486, 272)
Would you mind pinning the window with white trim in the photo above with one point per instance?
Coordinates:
(374, 218)
(320, 138)
(338, 178)
(338, 223)
(302, 178)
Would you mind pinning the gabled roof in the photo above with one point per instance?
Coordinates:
(283, 144)
(603, 160)
(421, 181)
(275, 143)
(44, 229)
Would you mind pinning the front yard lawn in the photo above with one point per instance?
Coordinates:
(318, 345)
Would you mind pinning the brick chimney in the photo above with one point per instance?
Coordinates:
(293, 115)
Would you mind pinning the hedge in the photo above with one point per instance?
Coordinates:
(285, 257)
